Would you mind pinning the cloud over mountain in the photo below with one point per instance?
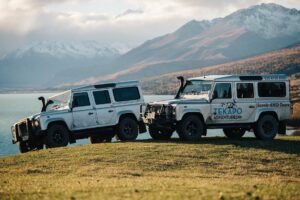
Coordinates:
(122, 21)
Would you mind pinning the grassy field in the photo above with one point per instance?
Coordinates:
(215, 168)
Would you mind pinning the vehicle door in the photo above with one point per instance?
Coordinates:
(245, 101)
(84, 115)
(105, 110)
(223, 108)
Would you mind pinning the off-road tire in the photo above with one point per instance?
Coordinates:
(160, 134)
(23, 147)
(234, 133)
(57, 136)
(191, 128)
(266, 127)
(128, 129)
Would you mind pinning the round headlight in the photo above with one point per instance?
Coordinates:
(36, 123)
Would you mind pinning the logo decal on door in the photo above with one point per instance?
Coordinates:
(227, 111)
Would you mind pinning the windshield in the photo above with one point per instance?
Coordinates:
(196, 88)
(59, 100)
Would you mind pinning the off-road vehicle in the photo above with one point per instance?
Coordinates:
(99, 112)
(233, 103)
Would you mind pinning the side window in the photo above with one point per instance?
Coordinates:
(271, 89)
(244, 90)
(126, 94)
(81, 99)
(222, 91)
(101, 97)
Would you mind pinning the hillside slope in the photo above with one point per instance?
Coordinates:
(215, 168)
(285, 61)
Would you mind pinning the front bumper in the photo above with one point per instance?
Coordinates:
(24, 130)
(21, 130)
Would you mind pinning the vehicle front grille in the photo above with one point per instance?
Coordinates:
(159, 111)
(23, 128)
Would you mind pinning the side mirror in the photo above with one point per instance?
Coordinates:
(50, 102)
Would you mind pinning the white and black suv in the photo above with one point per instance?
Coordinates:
(99, 112)
(234, 103)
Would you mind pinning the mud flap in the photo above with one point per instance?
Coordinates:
(142, 127)
(282, 128)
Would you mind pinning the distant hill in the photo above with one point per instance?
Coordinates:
(285, 61)
(45, 63)
(247, 32)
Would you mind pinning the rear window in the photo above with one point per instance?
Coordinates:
(245, 90)
(126, 94)
(271, 89)
(101, 97)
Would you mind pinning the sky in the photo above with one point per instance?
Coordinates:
(129, 22)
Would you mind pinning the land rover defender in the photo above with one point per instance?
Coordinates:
(98, 112)
(233, 103)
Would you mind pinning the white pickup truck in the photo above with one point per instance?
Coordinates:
(99, 112)
(234, 103)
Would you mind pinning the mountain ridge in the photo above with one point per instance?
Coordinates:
(244, 33)
(204, 43)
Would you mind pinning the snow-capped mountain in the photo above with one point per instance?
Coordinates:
(246, 32)
(268, 20)
(60, 49)
(45, 63)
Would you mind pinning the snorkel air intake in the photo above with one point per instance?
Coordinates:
(42, 99)
(181, 86)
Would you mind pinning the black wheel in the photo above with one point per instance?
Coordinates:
(57, 136)
(191, 128)
(234, 132)
(266, 127)
(160, 134)
(24, 147)
(127, 129)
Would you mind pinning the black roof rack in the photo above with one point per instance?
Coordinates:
(251, 78)
(106, 85)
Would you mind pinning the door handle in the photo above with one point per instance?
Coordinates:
(251, 106)
(110, 111)
(90, 113)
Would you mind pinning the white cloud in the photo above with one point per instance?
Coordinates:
(118, 21)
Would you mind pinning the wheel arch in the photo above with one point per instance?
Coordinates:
(266, 112)
(60, 122)
(124, 114)
(199, 114)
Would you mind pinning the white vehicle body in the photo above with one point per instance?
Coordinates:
(250, 97)
(85, 111)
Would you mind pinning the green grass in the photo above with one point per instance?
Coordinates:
(215, 168)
